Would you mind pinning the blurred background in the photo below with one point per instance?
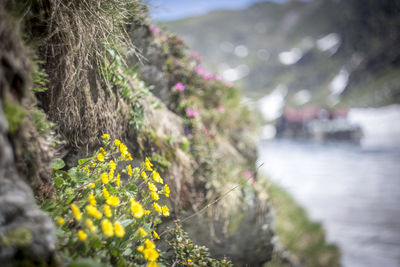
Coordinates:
(325, 76)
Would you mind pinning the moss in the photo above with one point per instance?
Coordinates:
(301, 237)
(15, 115)
(18, 237)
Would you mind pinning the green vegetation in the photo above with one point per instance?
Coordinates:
(304, 239)
(110, 208)
(15, 115)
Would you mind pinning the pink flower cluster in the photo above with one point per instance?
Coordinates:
(154, 29)
(221, 108)
(206, 75)
(195, 55)
(179, 87)
(192, 112)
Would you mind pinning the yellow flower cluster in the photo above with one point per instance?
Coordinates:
(105, 200)
(149, 252)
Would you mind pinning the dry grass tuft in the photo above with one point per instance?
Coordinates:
(75, 39)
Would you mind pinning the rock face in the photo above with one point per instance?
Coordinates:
(27, 234)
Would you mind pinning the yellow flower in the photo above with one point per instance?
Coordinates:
(105, 193)
(119, 229)
(156, 235)
(129, 169)
(143, 175)
(157, 207)
(154, 196)
(107, 211)
(152, 187)
(90, 225)
(93, 165)
(113, 201)
(92, 200)
(104, 178)
(102, 150)
(142, 232)
(81, 235)
(124, 150)
(92, 185)
(100, 157)
(165, 211)
(106, 136)
(111, 175)
(157, 178)
(107, 227)
(86, 169)
(149, 244)
(117, 142)
(94, 212)
(140, 248)
(148, 164)
(76, 212)
(189, 261)
(136, 208)
(118, 181)
(112, 165)
(146, 212)
(166, 190)
(152, 264)
(60, 221)
(150, 254)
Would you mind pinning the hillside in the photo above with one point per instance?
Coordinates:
(324, 52)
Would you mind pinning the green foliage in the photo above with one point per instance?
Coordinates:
(19, 237)
(15, 115)
(301, 237)
(185, 145)
(186, 253)
(39, 76)
(109, 210)
(39, 120)
(161, 162)
(137, 116)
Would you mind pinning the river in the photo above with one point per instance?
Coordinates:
(354, 191)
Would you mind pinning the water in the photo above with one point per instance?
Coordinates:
(353, 190)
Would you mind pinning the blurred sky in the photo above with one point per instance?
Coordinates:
(163, 10)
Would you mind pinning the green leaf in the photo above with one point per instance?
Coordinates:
(58, 182)
(83, 161)
(58, 164)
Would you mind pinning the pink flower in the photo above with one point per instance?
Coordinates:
(247, 174)
(221, 108)
(154, 29)
(199, 69)
(218, 77)
(180, 87)
(208, 75)
(195, 55)
(192, 112)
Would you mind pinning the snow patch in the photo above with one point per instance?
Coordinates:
(271, 105)
(290, 57)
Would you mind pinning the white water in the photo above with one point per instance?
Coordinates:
(353, 190)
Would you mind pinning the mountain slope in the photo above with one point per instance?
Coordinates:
(337, 51)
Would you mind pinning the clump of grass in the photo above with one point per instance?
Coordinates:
(74, 40)
(304, 239)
